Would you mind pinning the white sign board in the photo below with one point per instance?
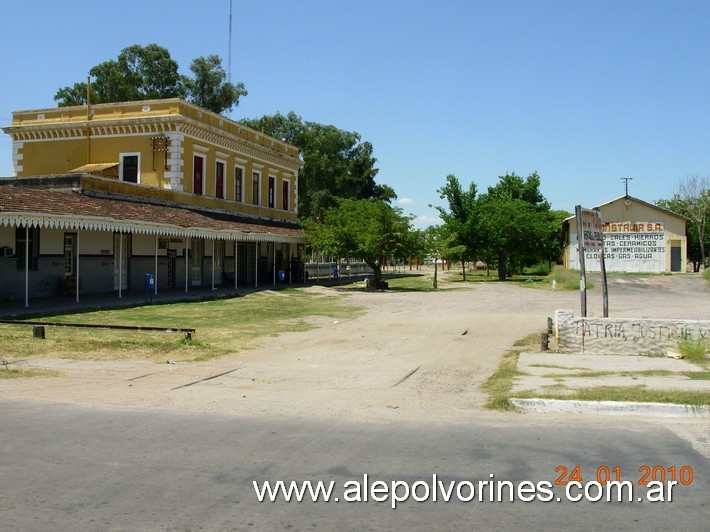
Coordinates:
(628, 247)
(592, 229)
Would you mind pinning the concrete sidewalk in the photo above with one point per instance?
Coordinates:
(566, 373)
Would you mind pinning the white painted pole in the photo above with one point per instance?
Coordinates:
(27, 266)
(120, 265)
(156, 265)
(213, 263)
(187, 268)
(78, 254)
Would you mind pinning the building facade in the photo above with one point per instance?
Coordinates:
(104, 195)
(638, 237)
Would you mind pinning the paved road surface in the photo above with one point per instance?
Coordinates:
(72, 468)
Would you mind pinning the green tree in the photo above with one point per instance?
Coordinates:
(692, 200)
(461, 221)
(370, 229)
(147, 73)
(514, 219)
(337, 163)
(554, 243)
(209, 88)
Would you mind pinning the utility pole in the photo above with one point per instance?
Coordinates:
(626, 184)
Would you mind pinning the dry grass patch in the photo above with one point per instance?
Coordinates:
(223, 327)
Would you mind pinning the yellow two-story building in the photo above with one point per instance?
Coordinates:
(104, 195)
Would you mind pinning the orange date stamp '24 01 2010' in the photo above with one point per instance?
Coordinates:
(683, 474)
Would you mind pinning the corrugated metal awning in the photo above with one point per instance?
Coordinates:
(93, 168)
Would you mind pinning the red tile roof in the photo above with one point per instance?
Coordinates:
(39, 201)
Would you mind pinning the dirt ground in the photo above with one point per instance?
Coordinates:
(414, 355)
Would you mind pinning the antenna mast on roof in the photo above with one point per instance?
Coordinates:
(626, 184)
(229, 52)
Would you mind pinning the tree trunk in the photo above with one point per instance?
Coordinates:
(501, 267)
(376, 272)
(463, 269)
(435, 272)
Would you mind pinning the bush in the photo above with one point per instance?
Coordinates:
(694, 350)
(541, 269)
(565, 279)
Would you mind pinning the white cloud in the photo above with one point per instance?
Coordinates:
(424, 221)
(405, 201)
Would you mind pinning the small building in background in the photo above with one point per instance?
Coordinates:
(638, 237)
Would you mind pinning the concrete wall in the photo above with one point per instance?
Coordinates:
(624, 336)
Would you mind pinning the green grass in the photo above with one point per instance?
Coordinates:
(539, 270)
(565, 279)
(414, 283)
(24, 373)
(223, 327)
(695, 351)
(633, 394)
(499, 385)
(480, 276)
(706, 275)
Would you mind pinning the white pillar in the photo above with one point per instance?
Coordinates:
(78, 254)
(27, 265)
(213, 263)
(120, 264)
(187, 266)
(236, 247)
(156, 265)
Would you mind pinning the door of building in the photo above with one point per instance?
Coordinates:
(676, 259)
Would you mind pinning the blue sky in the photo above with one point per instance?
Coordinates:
(582, 92)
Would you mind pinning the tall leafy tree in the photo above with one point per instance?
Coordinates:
(148, 72)
(554, 242)
(692, 200)
(510, 225)
(514, 221)
(461, 220)
(369, 229)
(337, 163)
(209, 88)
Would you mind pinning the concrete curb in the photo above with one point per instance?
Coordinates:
(614, 408)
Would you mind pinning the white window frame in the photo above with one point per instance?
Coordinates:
(120, 165)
